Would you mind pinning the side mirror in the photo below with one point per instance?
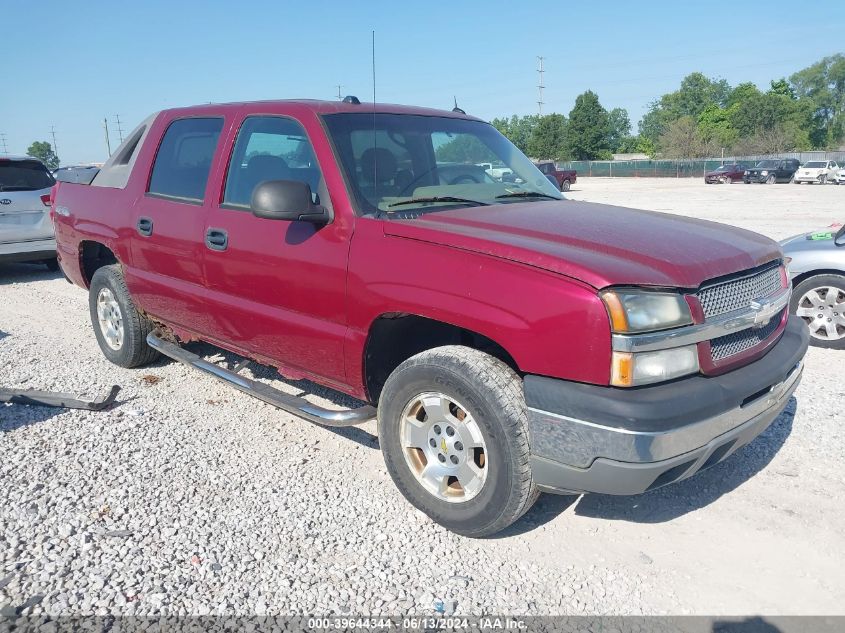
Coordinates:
(287, 200)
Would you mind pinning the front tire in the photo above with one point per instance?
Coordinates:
(453, 429)
(120, 329)
(820, 302)
(772, 179)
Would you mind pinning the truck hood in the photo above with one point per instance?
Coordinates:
(598, 244)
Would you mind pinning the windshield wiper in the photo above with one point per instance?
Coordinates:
(476, 203)
(528, 194)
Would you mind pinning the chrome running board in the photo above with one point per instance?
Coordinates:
(286, 402)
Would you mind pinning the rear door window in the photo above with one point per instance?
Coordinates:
(24, 175)
(184, 159)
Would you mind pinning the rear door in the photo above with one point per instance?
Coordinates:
(166, 273)
(24, 217)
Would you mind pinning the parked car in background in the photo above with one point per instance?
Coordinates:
(816, 264)
(26, 232)
(840, 175)
(726, 174)
(563, 177)
(508, 340)
(81, 174)
(770, 171)
(497, 171)
(817, 171)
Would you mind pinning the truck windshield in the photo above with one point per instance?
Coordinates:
(402, 163)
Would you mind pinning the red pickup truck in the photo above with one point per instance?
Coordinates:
(563, 177)
(507, 340)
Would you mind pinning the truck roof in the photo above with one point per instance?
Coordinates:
(326, 107)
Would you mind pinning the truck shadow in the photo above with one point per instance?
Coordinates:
(25, 273)
(301, 388)
(674, 500)
(700, 490)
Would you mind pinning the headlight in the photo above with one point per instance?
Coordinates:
(746, 172)
(764, 173)
(634, 311)
(629, 369)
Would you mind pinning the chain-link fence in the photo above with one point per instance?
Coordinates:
(693, 168)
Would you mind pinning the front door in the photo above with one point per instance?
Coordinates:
(277, 289)
(166, 274)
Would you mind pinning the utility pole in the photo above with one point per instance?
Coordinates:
(119, 129)
(106, 128)
(53, 132)
(3, 141)
(339, 95)
(540, 86)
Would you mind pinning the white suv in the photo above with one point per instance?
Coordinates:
(819, 171)
(26, 232)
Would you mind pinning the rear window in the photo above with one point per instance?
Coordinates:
(24, 175)
(184, 158)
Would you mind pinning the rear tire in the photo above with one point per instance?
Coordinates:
(465, 409)
(52, 264)
(565, 185)
(120, 329)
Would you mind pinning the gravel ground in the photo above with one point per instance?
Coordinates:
(191, 498)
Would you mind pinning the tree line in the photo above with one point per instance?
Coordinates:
(700, 119)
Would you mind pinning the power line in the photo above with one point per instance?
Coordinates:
(540, 86)
(119, 129)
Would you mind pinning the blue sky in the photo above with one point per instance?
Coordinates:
(70, 64)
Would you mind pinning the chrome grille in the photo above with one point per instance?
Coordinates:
(737, 342)
(733, 294)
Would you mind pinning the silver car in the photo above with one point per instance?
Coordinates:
(26, 232)
(816, 264)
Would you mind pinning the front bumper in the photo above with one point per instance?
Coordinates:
(755, 178)
(27, 251)
(810, 179)
(588, 438)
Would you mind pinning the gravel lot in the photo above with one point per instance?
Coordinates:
(191, 498)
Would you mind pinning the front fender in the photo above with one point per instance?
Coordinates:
(549, 324)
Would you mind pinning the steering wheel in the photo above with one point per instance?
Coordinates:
(463, 179)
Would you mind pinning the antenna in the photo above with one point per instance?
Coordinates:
(339, 96)
(3, 140)
(540, 86)
(456, 108)
(106, 128)
(119, 129)
(375, 143)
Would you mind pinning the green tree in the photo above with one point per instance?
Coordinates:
(588, 131)
(823, 84)
(693, 97)
(715, 129)
(465, 148)
(43, 151)
(682, 139)
(548, 140)
(619, 128)
(782, 87)
(517, 129)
